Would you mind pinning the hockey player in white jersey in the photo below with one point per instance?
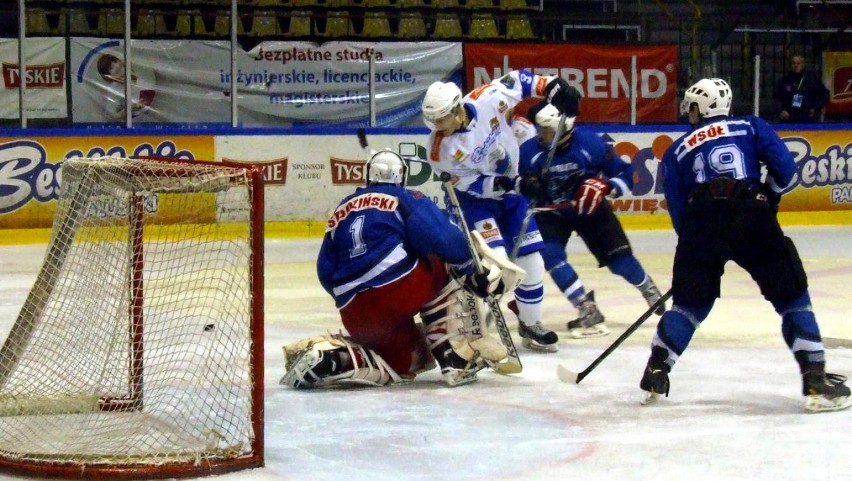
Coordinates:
(472, 140)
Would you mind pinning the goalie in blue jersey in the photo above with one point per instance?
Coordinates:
(722, 211)
(584, 171)
(389, 254)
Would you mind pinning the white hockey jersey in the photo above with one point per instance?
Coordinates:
(486, 148)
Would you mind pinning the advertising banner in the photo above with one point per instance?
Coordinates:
(280, 84)
(602, 74)
(45, 96)
(838, 77)
(31, 175)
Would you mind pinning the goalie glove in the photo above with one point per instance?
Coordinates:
(590, 194)
(485, 283)
(564, 97)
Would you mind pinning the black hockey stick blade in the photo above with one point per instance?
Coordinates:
(566, 375)
(362, 137)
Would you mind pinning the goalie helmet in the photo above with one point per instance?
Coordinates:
(548, 118)
(440, 101)
(386, 167)
(712, 95)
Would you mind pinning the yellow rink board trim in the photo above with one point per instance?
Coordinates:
(316, 229)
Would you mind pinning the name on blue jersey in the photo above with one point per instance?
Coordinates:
(704, 134)
(382, 202)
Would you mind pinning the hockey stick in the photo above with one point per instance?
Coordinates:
(566, 375)
(512, 364)
(530, 211)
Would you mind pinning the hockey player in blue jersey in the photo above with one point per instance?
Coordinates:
(583, 173)
(385, 258)
(721, 211)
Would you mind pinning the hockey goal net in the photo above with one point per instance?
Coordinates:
(138, 353)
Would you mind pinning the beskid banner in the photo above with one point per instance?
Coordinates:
(280, 84)
(45, 79)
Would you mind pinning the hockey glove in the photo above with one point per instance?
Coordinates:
(772, 198)
(533, 187)
(503, 184)
(564, 97)
(485, 283)
(590, 195)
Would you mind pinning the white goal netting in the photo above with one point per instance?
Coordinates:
(138, 345)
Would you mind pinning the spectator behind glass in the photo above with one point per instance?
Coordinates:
(802, 94)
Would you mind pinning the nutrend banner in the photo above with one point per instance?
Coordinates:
(602, 74)
(45, 79)
(838, 76)
(279, 84)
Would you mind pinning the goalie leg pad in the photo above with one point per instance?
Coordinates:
(457, 316)
(321, 361)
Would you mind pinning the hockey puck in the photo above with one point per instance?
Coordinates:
(209, 327)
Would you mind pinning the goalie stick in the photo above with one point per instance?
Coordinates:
(565, 375)
(512, 364)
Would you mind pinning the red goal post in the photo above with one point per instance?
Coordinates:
(138, 353)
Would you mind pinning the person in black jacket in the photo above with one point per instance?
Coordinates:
(802, 94)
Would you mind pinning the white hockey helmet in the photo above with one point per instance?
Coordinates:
(440, 100)
(712, 95)
(548, 118)
(386, 167)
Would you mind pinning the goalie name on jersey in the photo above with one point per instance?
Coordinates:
(382, 202)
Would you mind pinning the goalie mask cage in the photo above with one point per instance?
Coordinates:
(138, 353)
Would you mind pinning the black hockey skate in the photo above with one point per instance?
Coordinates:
(655, 380)
(311, 367)
(591, 321)
(455, 370)
(824, 391)
(535, 337)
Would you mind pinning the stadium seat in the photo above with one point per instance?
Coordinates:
(304, 3)
(338, 24)
(515, 5)
(77, 21)
(264, 24)
(482, 25)
(441, 4)
(269, 3)
(339, 3)
(300, 24)
(477, 4)
(518, 27)
(447, 25)
(150, 22)
(37, 21)
(411, 25)
(111, 21)
(410, 3)
(376, 3)
(376, 24)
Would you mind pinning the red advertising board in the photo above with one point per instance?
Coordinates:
(603, 74)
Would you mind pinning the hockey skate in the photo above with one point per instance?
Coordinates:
(535, 337)
(652, 294)
(455, 370)
(311, 367)
(591, 321)
(824, 391)
(655, 380)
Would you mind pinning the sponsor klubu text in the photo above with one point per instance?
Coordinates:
(594, 83)
(38, 76)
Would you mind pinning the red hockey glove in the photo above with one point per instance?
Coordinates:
(590, 195)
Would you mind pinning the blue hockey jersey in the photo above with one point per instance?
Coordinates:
(724, 146)
(377, 234)
(587, 155)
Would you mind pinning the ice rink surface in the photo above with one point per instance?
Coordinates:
(735, 411)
